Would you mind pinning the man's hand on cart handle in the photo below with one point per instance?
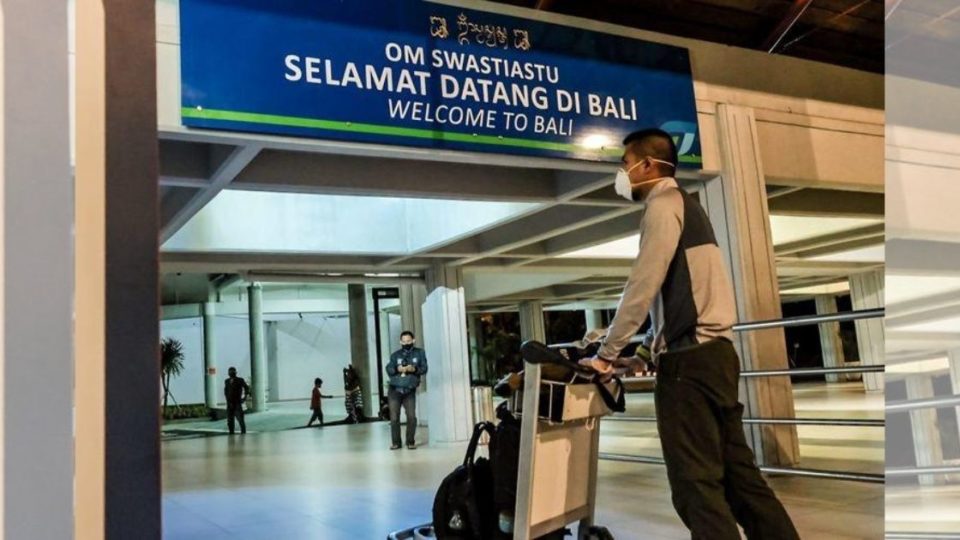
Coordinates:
(602, 366)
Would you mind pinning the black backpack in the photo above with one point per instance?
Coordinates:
(463, 508)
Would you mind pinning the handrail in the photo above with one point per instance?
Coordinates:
(785, 421)
(799, 372)
(921, 471)
(925, 403)
(810, 473)
(787, 322)
(890, 535)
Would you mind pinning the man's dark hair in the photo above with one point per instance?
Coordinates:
(231, 369)
(407, 333)
(655, 143)
(318, 380)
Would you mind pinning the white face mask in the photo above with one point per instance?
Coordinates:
(622, 183)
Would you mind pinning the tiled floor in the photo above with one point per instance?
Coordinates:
(341, 482)
(923, 509)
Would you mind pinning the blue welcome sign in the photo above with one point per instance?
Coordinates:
(411, 72)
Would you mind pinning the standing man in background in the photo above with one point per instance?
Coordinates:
(405, 368)
(235, 389)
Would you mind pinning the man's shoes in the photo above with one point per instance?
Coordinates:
(411, 447)
(603, 369)
(395, 447)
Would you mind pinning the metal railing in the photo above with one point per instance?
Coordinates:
(852, 476)
(925, 403)
(922, 535)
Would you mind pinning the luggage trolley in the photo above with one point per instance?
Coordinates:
(559, 447)
(559, 450)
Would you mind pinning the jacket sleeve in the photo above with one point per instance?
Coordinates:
(392, 365)
(659, 236)
(422, 368)
(226, 389)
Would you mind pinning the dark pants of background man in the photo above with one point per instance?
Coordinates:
(408, 401)
(714, 479)
(235, 411)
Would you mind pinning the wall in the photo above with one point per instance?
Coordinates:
(316, 346)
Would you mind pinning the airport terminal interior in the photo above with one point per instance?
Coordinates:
(306, 188)
(338, 247)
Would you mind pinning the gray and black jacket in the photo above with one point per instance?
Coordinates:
(405, 382)
(678, 278)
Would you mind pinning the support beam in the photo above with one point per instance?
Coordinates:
(532, 326)
(812, 202)
(117, 482)
(211, 379)
(866, 292)
(833, 243)
(830, 345)
(228, 167)
(360, 345)
(923, 424)
(258, 349)
(737, 206)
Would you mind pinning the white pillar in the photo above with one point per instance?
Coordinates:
(741, 218)
(258, 360)
(448, 402)
(37, 280)
(594, 319)
(531, 322)
(926, 431)
(211, 381)
(866, 292)
(831, 346)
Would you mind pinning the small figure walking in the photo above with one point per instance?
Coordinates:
(316, 402)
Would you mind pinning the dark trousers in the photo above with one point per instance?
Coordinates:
(714, 479)
(408, 401)
(317, 415)
(235, 411)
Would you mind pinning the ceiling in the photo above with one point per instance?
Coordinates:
(847, 33)
(556, 227)
(922, 40)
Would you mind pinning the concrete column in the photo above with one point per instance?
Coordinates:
(926, 431)
(273, 362)
(954, 360)
(594, 319)
(448, 403)
(117, 479)
(830, 345)
(211, 380)
(258, 353)
(473, 332)
(359, 346)
(531, 322)
(737, 205)
(866, 292)
(411, 307)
